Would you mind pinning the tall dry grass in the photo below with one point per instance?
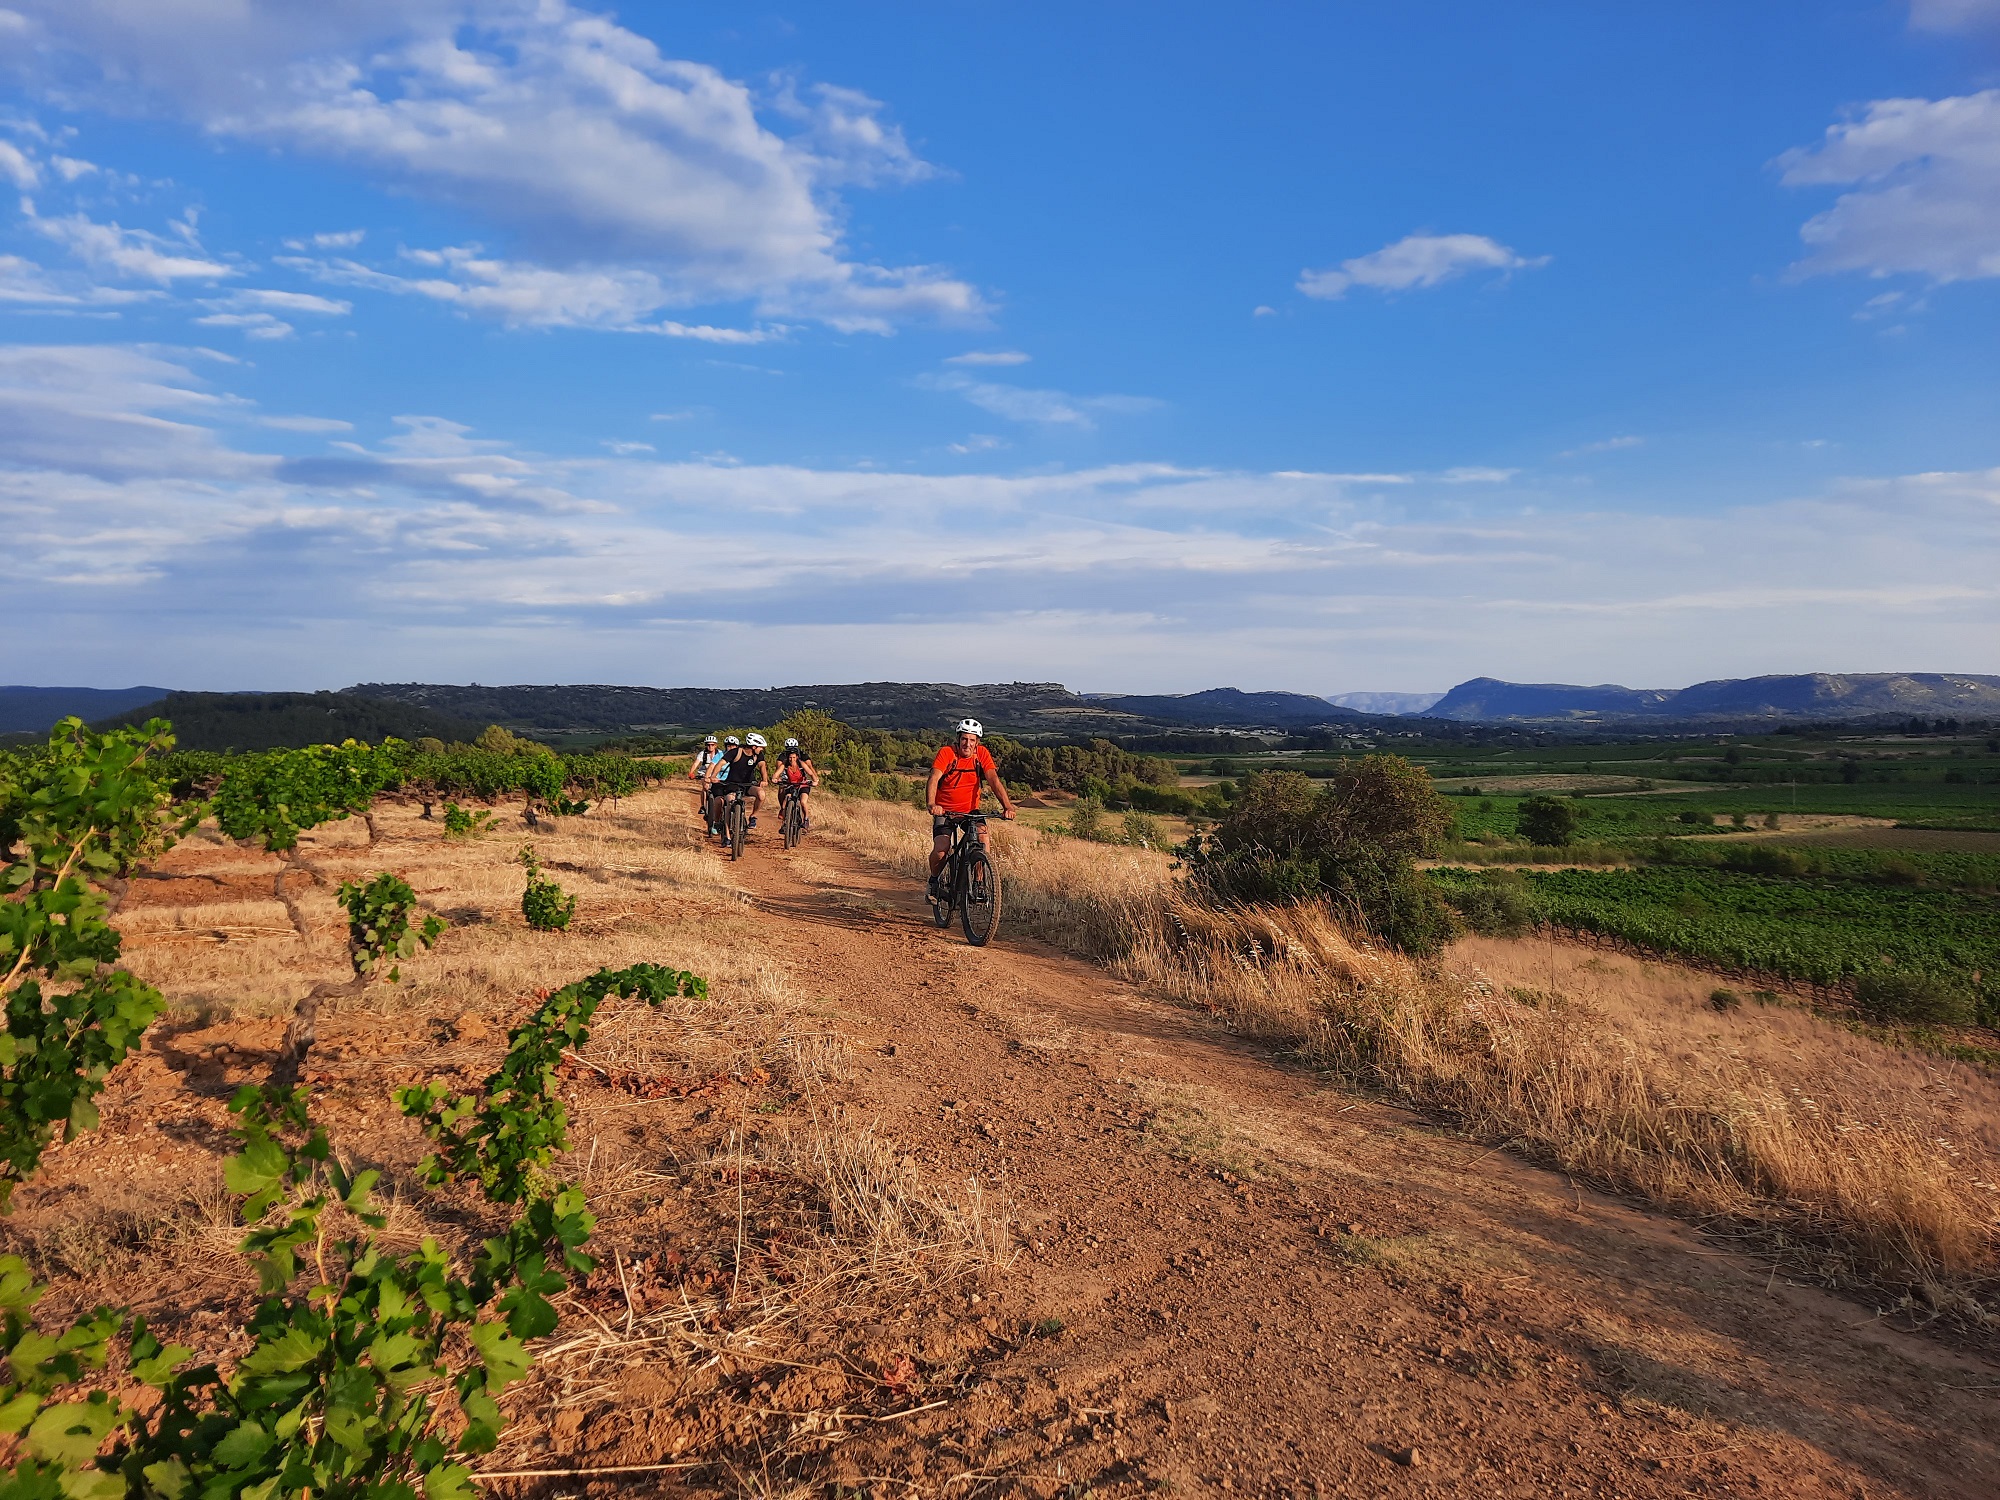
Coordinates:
(1819, 1144)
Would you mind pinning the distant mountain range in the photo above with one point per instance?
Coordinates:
(1801, 696)
(36, 709)
(412, 709)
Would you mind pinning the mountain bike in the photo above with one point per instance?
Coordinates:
(793, 815)
(968, 883)
(732, 819)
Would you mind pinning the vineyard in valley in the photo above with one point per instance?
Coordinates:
(1820, 932)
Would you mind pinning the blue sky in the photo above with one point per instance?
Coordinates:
(1333, 347)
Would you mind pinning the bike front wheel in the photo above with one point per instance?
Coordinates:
(737, 826)
(979, 899)
(794, 823)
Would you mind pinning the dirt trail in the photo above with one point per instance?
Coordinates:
(1266, 1284)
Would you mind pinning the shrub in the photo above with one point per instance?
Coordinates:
(1086, 819)
(1772, 821)
(1354, 839)
(543, 902)
(1498, 905)
(1912, 997)
(1724, 1000)
(1143, 829)
(1546, 820)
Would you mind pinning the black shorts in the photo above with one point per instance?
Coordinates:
(941, 825)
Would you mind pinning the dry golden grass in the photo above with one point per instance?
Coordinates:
(1859, 1162)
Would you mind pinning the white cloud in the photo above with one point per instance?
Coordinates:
(1476, 474)
(1607, 445)
(17, 168)
(109, 411)
(255, 310)
(1022, 404)
(978, 442)
(444, 553)
(134, 253)
(1416, 260)
(24, 282)
(1924, 176)
(847, 138)
(626, 450)
(990, 357)
(1953, 15)
(306, 424)
(256, 325)
(289, 302)
(602, 158)
(1261, 311)
(531, 296)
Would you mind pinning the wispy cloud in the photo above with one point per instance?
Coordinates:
(1954, 15)
(990, 357)
(1607, 445)
(133, 253)
(1414, 262)
(442, 551)
(530, 296)
(1043, 407)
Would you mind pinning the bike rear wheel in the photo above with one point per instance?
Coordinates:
(979, 898)
(736, 829)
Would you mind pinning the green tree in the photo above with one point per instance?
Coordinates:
(1546, 820)
(816, 730)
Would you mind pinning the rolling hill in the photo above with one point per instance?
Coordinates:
(1804, 696)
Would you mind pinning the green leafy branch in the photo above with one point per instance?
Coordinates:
(505, 1137)
(83, 814)
(379, 929)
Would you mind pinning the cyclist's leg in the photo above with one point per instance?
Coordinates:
(940, 849)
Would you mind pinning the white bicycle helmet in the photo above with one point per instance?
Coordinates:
(970, 726)
(757, 740)
(732, 740)
(709, 741)
(791, 744)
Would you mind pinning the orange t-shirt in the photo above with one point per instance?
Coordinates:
(958, 788)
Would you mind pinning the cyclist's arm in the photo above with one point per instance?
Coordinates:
(931, 792)
(811, 770)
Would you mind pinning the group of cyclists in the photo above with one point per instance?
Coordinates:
(732, 767)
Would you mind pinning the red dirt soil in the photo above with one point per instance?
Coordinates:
(1269, 1285)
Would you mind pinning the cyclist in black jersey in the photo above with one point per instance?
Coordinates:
(743, 771)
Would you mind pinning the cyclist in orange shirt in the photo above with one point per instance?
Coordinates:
(958, 774)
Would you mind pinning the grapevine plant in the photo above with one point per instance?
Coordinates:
(371, 1373)
(82, 815)
(379, 928)
(543, 903)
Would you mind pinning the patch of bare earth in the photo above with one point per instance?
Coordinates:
(894, 1213)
